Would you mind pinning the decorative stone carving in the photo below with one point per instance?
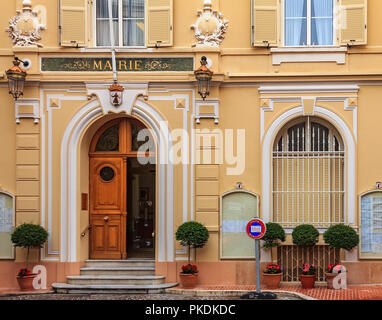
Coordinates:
(210, 28)
(24, 28)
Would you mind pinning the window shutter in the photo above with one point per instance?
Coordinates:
(159, 23)
(73, 23)
(265, 23)
(353, 22)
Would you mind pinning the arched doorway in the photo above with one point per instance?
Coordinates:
(122, 193)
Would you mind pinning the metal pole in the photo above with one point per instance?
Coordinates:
(112, 44)
(257, 257)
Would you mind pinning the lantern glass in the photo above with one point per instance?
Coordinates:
(203, 87)
(203, 76)
(16, 80)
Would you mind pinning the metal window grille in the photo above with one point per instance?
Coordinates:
(308, 175)
(292, 257)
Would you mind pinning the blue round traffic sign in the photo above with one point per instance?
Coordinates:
(256, 229)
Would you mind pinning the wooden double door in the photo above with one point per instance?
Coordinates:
(116, 181)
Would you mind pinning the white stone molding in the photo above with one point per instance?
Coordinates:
(27, 109)
(130, 94)
(348, 138)
(25, 29)
(88, 114)
(207, 103)
(293, 94)
(281, 55)
(210, 28)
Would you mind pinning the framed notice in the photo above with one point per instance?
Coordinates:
(237, 209)
(6, 225)
(371, 225)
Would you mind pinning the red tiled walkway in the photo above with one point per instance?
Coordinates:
(372, 292)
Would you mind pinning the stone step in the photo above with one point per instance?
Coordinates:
(121, 263)
(115, 280)
(139, 271)
(111, 289)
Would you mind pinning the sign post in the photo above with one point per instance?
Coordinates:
(256, 230)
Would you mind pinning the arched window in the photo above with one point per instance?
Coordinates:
(308, 174)
(123, 136)
(7, 222)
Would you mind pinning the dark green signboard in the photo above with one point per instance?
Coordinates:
(65, 64)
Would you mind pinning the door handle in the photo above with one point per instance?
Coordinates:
(106, 219)
(153, 234)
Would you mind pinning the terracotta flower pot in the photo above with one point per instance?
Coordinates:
(188, 280)
(272, 280)
(307, 281)
(26, 283)
(329, 279)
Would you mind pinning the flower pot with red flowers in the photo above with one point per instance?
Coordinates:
(330, 275)
(272, 275)
(193, 235)
(28, 236)
(25, 279)
(189, 276)
(308, 275)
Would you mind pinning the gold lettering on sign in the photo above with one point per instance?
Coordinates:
(108, 65)
(122, 63)
(97, 66)
(137, 66)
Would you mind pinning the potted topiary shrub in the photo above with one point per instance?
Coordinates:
(191, 234)
(28, 236)
(306, 235)
(274, 234)
(339, 236)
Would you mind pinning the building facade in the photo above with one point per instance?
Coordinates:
(289, 131)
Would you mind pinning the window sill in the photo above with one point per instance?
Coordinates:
(308, 54)
(117, 49)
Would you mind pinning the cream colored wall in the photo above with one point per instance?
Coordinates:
(236, 64)
(8, 144)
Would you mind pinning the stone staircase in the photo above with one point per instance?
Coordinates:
(115, 277)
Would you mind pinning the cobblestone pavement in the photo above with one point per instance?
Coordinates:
(52, 296)
(366, 292)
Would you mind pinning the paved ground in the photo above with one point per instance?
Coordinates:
(53, 296)
(292, 292)
(320, 292)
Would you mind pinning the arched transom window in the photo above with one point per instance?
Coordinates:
(308, 174)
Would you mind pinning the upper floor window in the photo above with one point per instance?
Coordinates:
(308, 22)
(128, 20)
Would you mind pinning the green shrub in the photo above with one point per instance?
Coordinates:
(273, 235)
(341, 236)
(193, 235)
(305, 235)
(29, 236)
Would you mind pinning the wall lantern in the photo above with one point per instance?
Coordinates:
(16, 78)
(203, 76)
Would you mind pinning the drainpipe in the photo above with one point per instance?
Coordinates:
(112, 49)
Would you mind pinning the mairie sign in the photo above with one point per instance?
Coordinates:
(135, 64)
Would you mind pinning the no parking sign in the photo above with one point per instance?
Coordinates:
(256, 229)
